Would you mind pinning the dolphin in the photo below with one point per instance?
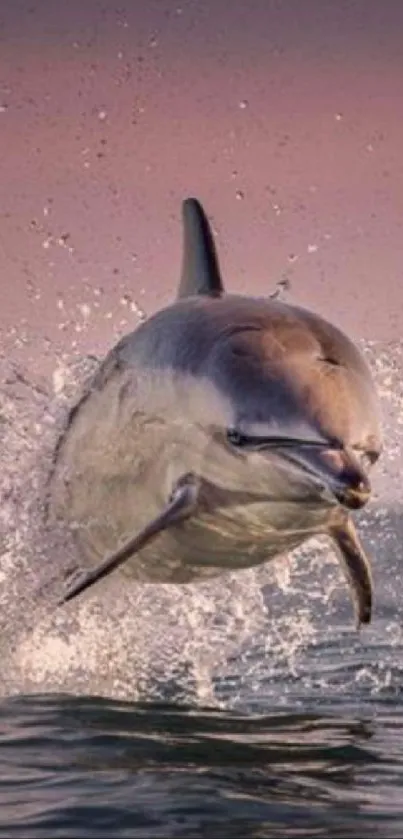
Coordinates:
(223, 431)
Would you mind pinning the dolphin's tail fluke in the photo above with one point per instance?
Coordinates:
(200, 272)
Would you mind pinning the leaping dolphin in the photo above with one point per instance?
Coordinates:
(223, 431)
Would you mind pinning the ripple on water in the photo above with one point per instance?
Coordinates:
(93, 767)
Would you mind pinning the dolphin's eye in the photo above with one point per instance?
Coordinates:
(236, 438)
(246, 441)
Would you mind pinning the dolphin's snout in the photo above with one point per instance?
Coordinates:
(338, 469)
(346, 478)
(354, 495)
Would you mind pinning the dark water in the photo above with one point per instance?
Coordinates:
(90, 767)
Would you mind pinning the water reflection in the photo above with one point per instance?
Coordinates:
(70, 765)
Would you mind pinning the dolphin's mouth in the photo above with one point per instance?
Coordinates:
(328, 464)
(334, 469)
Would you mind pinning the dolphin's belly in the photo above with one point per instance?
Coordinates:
(206, 545)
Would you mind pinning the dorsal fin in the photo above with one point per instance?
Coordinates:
(200, 272)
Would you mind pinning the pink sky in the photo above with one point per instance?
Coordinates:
(285, 119)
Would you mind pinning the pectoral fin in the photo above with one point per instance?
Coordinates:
(356, 566)
(182, 503)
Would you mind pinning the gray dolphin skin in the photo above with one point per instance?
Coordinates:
(224, 431)
(200, 267)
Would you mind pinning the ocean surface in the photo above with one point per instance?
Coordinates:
(245, 707)
(92, 767)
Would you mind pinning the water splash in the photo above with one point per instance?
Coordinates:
(214, 642)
